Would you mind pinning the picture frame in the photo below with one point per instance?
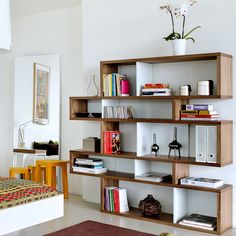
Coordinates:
(41, 94)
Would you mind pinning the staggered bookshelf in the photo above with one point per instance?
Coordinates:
(144, 70)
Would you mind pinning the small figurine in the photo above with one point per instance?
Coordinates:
(175, 145)
(154, 147)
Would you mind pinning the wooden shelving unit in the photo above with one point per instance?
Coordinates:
(179, 166)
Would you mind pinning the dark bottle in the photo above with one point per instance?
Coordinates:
(154, 147)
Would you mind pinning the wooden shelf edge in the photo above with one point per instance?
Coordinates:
(154, 120)
(169, 59)
(166, 97)
(86, 98)
(135, 215)
(133, 156)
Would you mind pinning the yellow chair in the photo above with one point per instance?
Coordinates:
(50, 166)
(19, 170)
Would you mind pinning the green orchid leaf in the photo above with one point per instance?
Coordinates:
(186, 35)
(191, 39)
(172, 36)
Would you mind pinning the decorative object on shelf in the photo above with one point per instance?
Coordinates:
(125, 87)
(149, 206)
(91, 86)
(185, 90)
(205, 87)
(175, 145)
(179, 39)
(91, 144)
(154, 148)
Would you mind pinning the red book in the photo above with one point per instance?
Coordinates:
(116, 200)
(199, 116)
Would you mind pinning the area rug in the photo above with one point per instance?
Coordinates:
(92, 228)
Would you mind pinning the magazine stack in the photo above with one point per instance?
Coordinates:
(199, 221)
(89, 165)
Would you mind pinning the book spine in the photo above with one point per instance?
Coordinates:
(110, 84)
(205, 107)
(199, 116)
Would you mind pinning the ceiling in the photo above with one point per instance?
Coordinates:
(27, 7)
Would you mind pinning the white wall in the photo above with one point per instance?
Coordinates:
(135, 28)
(53, 32)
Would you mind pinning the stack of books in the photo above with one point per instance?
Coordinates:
(200, 221)
(120, 112)
(115, 199)
(115, 85)
(111, 142)
(202, 182)
(198, 112)
(89, 165)
(156, 90)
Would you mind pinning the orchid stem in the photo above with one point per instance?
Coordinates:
(183, 26)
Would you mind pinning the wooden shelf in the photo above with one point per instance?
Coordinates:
(169, 59)
(162, 158)
(129, 177)
(167, 97)
(155, 120)
(162, 218)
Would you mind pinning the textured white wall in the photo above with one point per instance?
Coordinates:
(127, 29)
(53, 32)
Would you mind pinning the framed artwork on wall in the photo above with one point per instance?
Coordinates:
(41, 94)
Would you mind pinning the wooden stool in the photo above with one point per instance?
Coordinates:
(19, 170)
(32, 170)
(50, 166)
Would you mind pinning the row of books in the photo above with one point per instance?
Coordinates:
(115, 199)
(200, 221)
(122, 112)
(115, 85)
(202, 182)
(111, 142)
(89, 165)
(198, 112)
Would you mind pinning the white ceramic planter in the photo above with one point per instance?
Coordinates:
(179, 46)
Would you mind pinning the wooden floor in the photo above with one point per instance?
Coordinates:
(77, 210)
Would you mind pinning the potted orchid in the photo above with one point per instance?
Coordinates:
(179, 39)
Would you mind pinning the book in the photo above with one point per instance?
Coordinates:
(123, 201)
(156, 90)
(202, 182)
(197, 226)
(199, 116)
(111, 144)
(197, 112)
(89, 170)
(194, 118)
(158, 85)
(205, 107)
(155, 177)
(90, 166)
(79, 161)
(200, 220)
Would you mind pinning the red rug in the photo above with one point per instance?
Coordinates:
(92, 228)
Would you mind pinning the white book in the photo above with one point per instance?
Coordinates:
(84, 162)
(89, 170)
(197, 226)
(202, 182)
(123, 201)
(155, 177)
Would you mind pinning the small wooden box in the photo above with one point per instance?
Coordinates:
(91, 144)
